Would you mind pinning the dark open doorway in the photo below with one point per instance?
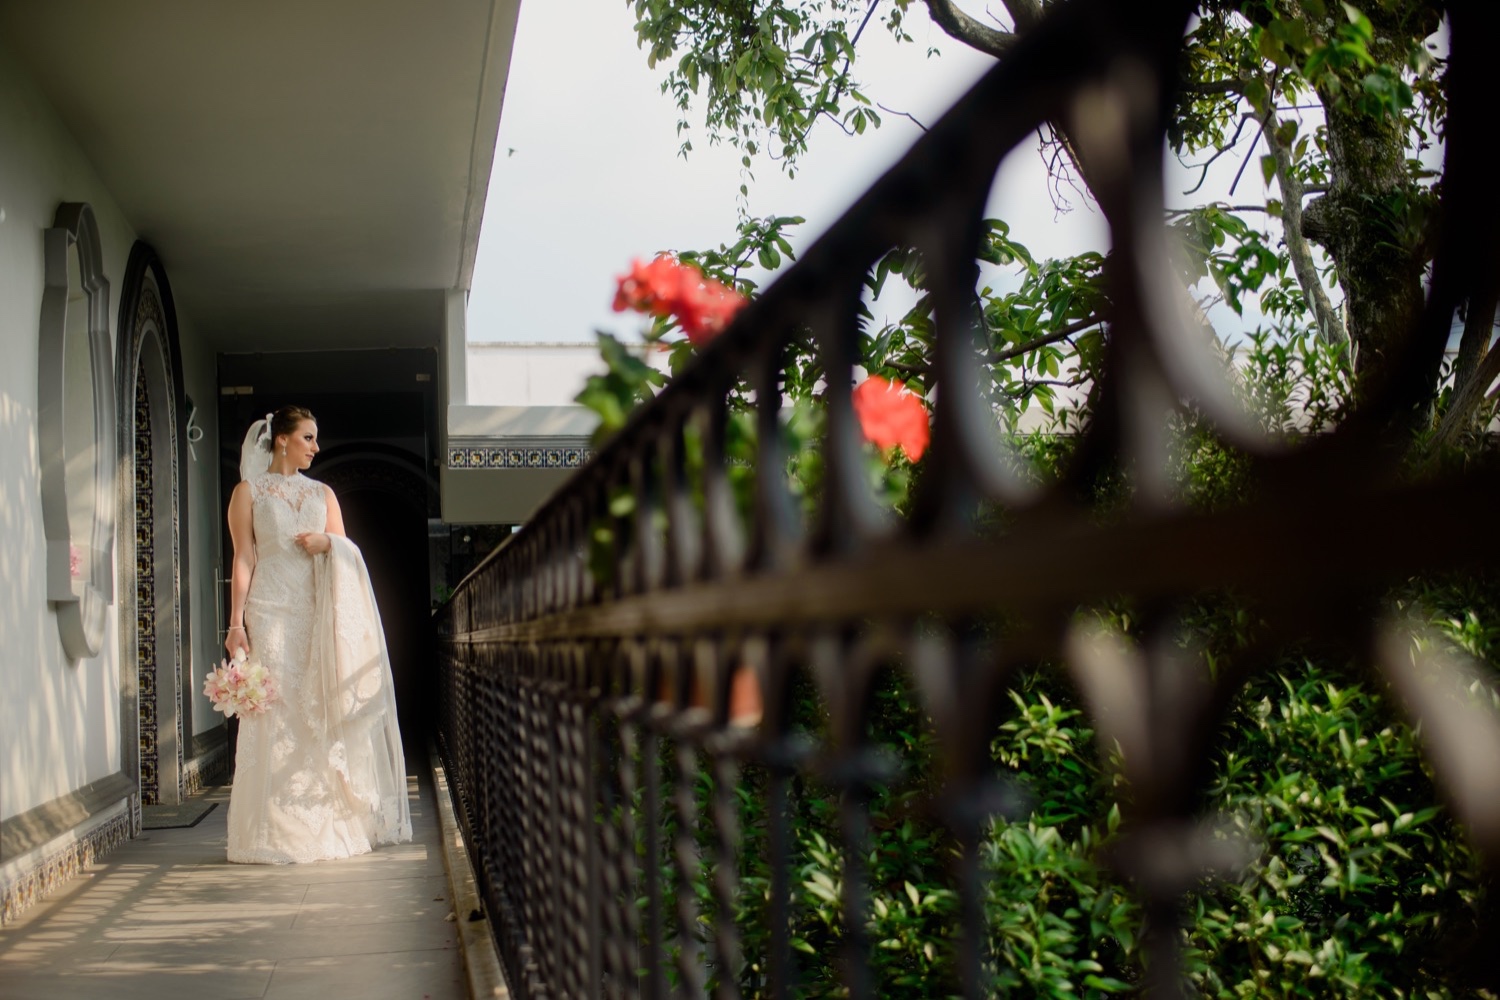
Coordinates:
(392, 534)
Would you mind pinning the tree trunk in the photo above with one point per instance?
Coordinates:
(1372, 221)
(1365, 224)
(1479, 329)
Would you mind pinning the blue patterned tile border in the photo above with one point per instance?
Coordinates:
(572, 456)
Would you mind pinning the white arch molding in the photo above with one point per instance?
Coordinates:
(79, 598)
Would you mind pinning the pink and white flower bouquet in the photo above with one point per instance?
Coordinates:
(240, 686)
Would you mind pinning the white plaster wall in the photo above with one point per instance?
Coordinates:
(59, 721)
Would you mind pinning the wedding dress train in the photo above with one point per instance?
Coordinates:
(319, 774)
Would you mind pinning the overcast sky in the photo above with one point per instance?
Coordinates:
(587, 174)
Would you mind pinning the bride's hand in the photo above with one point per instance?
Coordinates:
(314, 542)
(236, 640)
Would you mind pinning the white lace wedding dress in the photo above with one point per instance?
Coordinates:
(320, 773)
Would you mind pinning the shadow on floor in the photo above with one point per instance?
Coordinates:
(166, 916)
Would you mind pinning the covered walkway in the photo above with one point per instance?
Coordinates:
(165, 916)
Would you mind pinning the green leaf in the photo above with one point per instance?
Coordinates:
(622, 502)
(1107, 984)
(1272, 50)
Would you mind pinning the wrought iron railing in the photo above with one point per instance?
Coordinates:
(589, 713)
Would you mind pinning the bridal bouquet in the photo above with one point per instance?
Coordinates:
(239, 686)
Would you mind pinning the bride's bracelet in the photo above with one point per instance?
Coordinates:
(233, 627)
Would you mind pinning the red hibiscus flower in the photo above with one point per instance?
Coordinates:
(890, 416)
(648, 287)
(666, 287)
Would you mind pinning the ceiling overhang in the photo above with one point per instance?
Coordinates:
(312, 175)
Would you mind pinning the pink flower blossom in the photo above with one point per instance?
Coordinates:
(240, 687)
(215, 688)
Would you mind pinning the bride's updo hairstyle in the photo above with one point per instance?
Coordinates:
(285, 421)
(260, 440)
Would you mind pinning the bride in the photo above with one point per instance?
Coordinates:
(320, 773)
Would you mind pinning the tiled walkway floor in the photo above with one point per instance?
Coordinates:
(166, 917)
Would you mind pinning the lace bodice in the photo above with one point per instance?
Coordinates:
(282, 507)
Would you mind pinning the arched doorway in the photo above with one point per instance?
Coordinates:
(386, 501)
(154, 615)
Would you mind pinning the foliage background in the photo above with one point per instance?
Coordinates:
(1358, 882)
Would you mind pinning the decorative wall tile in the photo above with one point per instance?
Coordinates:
(52, 870)
(145, 589)
(156, 653)
(560, 457)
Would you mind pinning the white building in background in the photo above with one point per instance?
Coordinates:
(517, 431)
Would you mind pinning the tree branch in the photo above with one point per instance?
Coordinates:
(1209, 88)
(861, 30)
(1467, 399)
(972, 32)
(901, 114)
(1026, 14)
(906, 369)
(837, 124)
(1027, 384)
(1010, 353)
(1233, 140)
(1053, 137)
(1330, 327)
(1243, 163)
(1479, 327)
(1063, 333)
(1173, 213)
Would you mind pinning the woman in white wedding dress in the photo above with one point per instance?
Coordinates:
(320, 773)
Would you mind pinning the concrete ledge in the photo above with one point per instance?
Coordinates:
(475, 940)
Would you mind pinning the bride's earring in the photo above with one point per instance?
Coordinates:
(283, 453)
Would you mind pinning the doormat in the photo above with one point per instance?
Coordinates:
(175, 817)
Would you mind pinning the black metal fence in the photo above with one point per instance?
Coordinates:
(595, 719)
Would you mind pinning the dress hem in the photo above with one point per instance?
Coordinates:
(280, 858)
